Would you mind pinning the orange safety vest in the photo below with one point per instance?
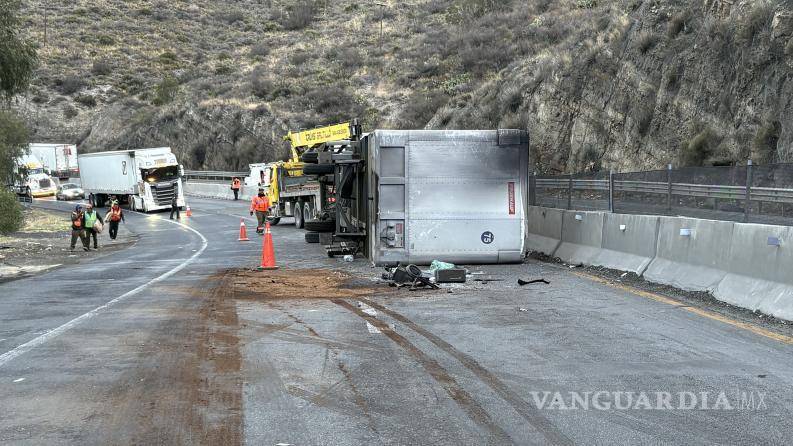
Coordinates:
(115, 214)
(235, 184)
(260, 204)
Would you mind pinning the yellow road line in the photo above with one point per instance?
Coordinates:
(704, 313)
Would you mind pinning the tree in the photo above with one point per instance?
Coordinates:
(13, 140)
(17, 56)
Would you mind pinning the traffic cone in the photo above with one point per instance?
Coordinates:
(188, 212)
(243, 232)
(268, 252)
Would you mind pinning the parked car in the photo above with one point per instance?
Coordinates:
(69, 191)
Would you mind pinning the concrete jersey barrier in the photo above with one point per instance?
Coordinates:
(216, 190)
(629, 242)
(692, 254)
(582, 237)
(545, 229)
(760, 270)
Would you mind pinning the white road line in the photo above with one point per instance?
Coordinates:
(35, 342)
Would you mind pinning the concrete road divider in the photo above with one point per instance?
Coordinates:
(545, 229)
(760, 270)
(216, 190)
(692, 254)
(582, 237)
(629, 242)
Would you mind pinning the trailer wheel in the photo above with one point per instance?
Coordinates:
(297, 212)
(320, 225)
(317, 169)
(312, 237)
(308, 211)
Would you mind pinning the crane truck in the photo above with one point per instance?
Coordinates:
(292, 186)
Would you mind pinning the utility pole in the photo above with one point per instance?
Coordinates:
(382, 14)
(45, 23)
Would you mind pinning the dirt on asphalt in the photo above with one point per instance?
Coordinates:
(298, 284)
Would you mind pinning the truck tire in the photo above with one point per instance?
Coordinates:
(310, 157)
(91, 200)
(320, 225)
(317, 169)
(308, 211)
(273, 220)
(297, 212)
(312, 237)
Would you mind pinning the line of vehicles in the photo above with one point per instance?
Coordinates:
(398, 196)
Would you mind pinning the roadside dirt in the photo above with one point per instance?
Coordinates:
(43, 243)
(297, 284)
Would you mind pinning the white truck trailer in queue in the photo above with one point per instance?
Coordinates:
(146, 179)
(59, 159)
(32, 180)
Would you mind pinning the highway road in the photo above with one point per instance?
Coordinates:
(161, 344)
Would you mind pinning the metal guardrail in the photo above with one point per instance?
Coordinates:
(767, 194)
(213, 175)
(748, 193)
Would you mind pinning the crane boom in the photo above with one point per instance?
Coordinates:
(309, 138)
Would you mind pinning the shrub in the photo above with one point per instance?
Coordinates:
(231, 17)
(101, 68)
(701, 147)
(260, 49)
(223, 69)
(86, 100)
(764, 145)
(646, 41)
(70, 84)
(420, 108)
(165, 91)
(168, 58)
(69, 111)
(676, 25)
(300, 15)
(759, 18)
(10, 212)
(105, 40)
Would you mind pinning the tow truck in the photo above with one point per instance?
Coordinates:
(295, 187)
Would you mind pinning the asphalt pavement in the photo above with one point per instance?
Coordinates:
(152, 345)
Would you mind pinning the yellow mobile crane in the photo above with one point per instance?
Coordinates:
(294, 189)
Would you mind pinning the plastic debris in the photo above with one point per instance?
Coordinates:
(438, 265)
(523, 310)
(349, 258)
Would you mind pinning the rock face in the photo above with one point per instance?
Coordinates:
(688, 84)
(622, 84)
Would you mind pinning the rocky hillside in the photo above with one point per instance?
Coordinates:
(626, 84)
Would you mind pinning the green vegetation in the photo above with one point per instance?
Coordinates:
(166, 91)
(17, 57)
(10, 212)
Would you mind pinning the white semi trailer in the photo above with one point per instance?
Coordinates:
(146, 179)
(59, 159)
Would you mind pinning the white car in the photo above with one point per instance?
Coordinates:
(69, 191)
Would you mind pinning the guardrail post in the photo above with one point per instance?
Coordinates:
(669, 189)
(533, 189)
(570, 192)
(611, 190)
(748, 202)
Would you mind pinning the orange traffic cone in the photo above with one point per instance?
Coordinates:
(268, 252)
(243, 232)
(188, 213)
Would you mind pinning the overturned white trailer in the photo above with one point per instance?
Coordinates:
(413, 196)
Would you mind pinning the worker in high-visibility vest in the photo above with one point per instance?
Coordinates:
(235, 187)
(260, 204)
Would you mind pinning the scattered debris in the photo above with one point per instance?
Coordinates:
(450, 275)
(523, 310)
(522, 282)
(19, 380)
(485, 280)
(349, 258)
(437, 265)
(411, 276)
